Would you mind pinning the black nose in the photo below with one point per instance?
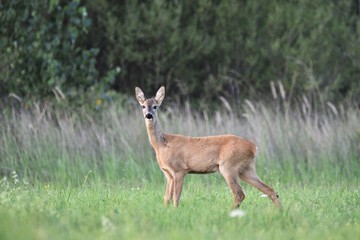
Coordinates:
(149, 116)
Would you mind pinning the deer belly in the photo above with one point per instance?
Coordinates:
(204, 167)
(213, 168)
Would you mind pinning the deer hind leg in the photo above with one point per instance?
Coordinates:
(232, 180)
(251, 178)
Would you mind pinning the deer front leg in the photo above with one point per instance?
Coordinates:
(178, 184)
(169, 191)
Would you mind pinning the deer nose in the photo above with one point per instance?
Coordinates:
(149, 116)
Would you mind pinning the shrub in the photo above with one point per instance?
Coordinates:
(45, 47)
(200, 49)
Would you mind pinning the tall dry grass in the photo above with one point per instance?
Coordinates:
(295, 143)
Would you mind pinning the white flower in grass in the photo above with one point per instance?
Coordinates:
(237, 213)
(106, 223)
(263, 195)
(15, 177)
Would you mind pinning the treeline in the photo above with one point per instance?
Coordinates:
(198, 49)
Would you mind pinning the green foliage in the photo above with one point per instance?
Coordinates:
(45, 49)
(207, 48)
(199, 49)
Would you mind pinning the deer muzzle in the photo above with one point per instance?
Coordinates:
(149, 116)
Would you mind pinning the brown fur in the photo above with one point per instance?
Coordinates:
(178, 155)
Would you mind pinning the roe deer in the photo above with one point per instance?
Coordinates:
(179, 155)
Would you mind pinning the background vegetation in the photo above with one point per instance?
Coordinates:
(198, 50)
(298, 145)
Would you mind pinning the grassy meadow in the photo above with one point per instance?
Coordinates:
(81, 175)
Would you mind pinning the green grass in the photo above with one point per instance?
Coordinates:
(98, 210)
(82, 176)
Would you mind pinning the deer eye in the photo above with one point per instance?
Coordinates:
(143, 106)
(155, 107)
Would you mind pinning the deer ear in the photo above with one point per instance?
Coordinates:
(160, 95)
(140, 97)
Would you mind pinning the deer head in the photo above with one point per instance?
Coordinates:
(149, 106)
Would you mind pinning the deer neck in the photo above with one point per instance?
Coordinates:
(156, 136)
